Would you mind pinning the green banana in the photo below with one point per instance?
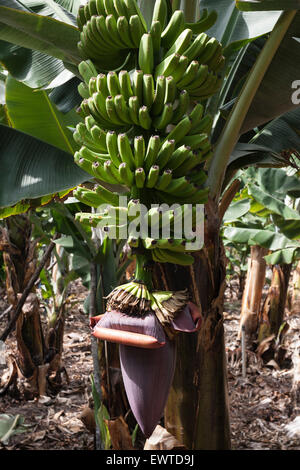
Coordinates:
(179, 156)
(144, 118)
(160, 12)
(162, 121)
(159, 97)
(81, 18)
(109, 8)
(168, 256)
(138, 84)
(134, 107)
(189, 164)
(133, 9)
(100, 8)
(136, 30)
(165, 153)
(101, 85)
(182, 108)
(84, 164)
(83, 90)
(206, 21)
(152, 176)
(122, 109)
(200, 80)
(112, 147)
(189, 75)
(171, 90)
(151, 152)
(211, 48)
(146, 54)
(111, 111)
(180, 130)
(177, 186)
(120, 8)
(92, 156)
(197, 47)
(108, 168)
(125, 151)
(113, 84)
(148, 90)
(164, 180)
(140, 177)
(89, 197)
(182, 43)
(203, 127)
(167, 66)
(87, 70)
(99, 136)
(107, 196)
(155, 32)
(125, 174)
(181, 68)
(173, 29)
(125, 84)
(112, 30)
(197, 142)
(124, 32)
(139, 151)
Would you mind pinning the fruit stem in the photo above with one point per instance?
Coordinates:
(143, 271)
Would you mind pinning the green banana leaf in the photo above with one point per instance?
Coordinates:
(32, 112)
(266, 5)
(235, 28)
(289, 227)
(66, 96)
(30, 168)
(266, 238)
(277, 182)
(274, 96)
(236, 210)
(41, 33)
(273, 204)
(283, 133)
(31, 67)
(287, 256)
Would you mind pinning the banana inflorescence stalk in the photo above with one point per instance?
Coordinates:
(144, 129)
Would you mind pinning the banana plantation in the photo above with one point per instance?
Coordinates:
(149, 225)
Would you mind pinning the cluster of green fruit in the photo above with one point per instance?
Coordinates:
(144, 126)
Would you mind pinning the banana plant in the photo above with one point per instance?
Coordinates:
(199, 393)
(263, 217)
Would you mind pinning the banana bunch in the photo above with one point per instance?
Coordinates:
(134, 298)
(109, 29)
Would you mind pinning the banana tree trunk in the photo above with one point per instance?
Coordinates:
(274, 304)
(197, 408)
(295, 301)
(252, 295)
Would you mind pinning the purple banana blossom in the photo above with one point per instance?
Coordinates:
(147, 358)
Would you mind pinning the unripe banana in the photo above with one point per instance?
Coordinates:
(134, 107)
(173, 29)
(152, 152)
(159, 98)
(122, 109)
(139, 151)
(189, 75)
(167, 66)
(171, 90)
(87, 70)
(164, 180)
(182, 108)
(152, 177)
(145, 120)
(160, 12)
(125, 151)
(146, 54)
(180, 130)
(140, 177)
(112, 147)
(136, 29)
(162, 121)
(179, 156)
(137, 85)
(125, 84)
(148, 90)
(155, 32)
(182, 43)
(165, 153)
(126, 174)
(89, 197)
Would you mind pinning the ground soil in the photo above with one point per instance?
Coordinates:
(261, 404)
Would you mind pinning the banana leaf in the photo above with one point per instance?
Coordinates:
(266, 238)
(274, 95)
(287, 256)
(273, 204)
(236, 28)
(31, 67)
(32, 112)
(30, 168)
(277, 182)
(30, 30)
(267, 5)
